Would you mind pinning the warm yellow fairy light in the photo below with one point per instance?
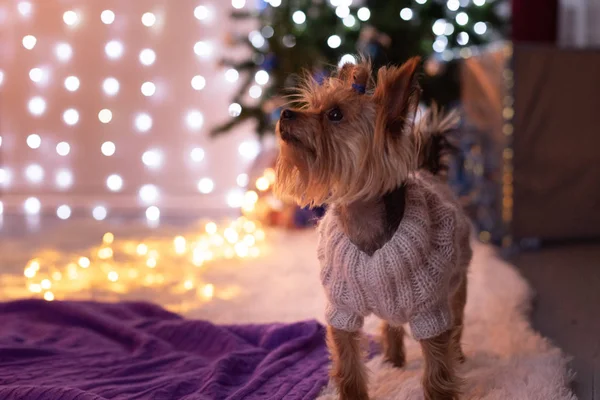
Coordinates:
(236, 239)
(35, 288)
(208, 291)
(84, 262)
(211, 228)
(105, 253)
(249, 226)
(270, 175)
(241, 249)
(231, 235)
(197, 257)
(133, 273)
(262, 183)
(260, 235)
(113, 276)
(254, 252)
(249, 240)
(217, 240)
(180, 244)
(108, 238)
(31, 269)
(229, 253)
(484, 236)
(248, 207)
(250, 197)
(141, 249)
(29, 273)
(72, 271)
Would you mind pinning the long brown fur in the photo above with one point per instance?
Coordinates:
(359, 164)
(431, 142)
(393, 344)
(439, 379)
(459, 300)
(348, 368)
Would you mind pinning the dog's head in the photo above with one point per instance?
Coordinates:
(350, 139)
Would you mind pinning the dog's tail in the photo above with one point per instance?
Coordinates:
(431, 140)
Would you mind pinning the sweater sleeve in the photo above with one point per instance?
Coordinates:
(343, 319)
(428, 322)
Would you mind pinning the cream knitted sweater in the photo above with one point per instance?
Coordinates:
(409, 279)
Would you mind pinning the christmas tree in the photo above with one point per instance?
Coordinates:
(299, 35)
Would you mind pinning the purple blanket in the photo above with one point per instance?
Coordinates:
(93, 351)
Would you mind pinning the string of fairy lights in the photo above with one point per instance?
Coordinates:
(121, 265)
(124, 266)
(508, 113)
(152, 158)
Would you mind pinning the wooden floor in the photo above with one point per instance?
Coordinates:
(566, 279)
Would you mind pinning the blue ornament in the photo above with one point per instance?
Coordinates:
(302, 217)
(320, 76)
(275, 115)
(373, 49)
(269, 63)
(307, 217)
(261, 5)
(471, 175)
(320, 211)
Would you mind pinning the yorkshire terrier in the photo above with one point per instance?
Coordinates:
(394, 242)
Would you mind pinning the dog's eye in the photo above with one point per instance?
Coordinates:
(335, 114)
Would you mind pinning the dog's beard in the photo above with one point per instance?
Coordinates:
(305, 178)
(339, 173)
(292, 174)
(301, 178)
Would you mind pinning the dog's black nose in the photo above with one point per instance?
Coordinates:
(288, 114)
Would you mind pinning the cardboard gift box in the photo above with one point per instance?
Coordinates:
(556, 143)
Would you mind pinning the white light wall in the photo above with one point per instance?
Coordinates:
(106, 107)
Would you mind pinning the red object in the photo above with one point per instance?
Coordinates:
(534, 20)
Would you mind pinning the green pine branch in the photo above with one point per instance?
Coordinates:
(304, 46)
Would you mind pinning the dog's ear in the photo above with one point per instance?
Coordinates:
(345, 72)
(397, 95)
